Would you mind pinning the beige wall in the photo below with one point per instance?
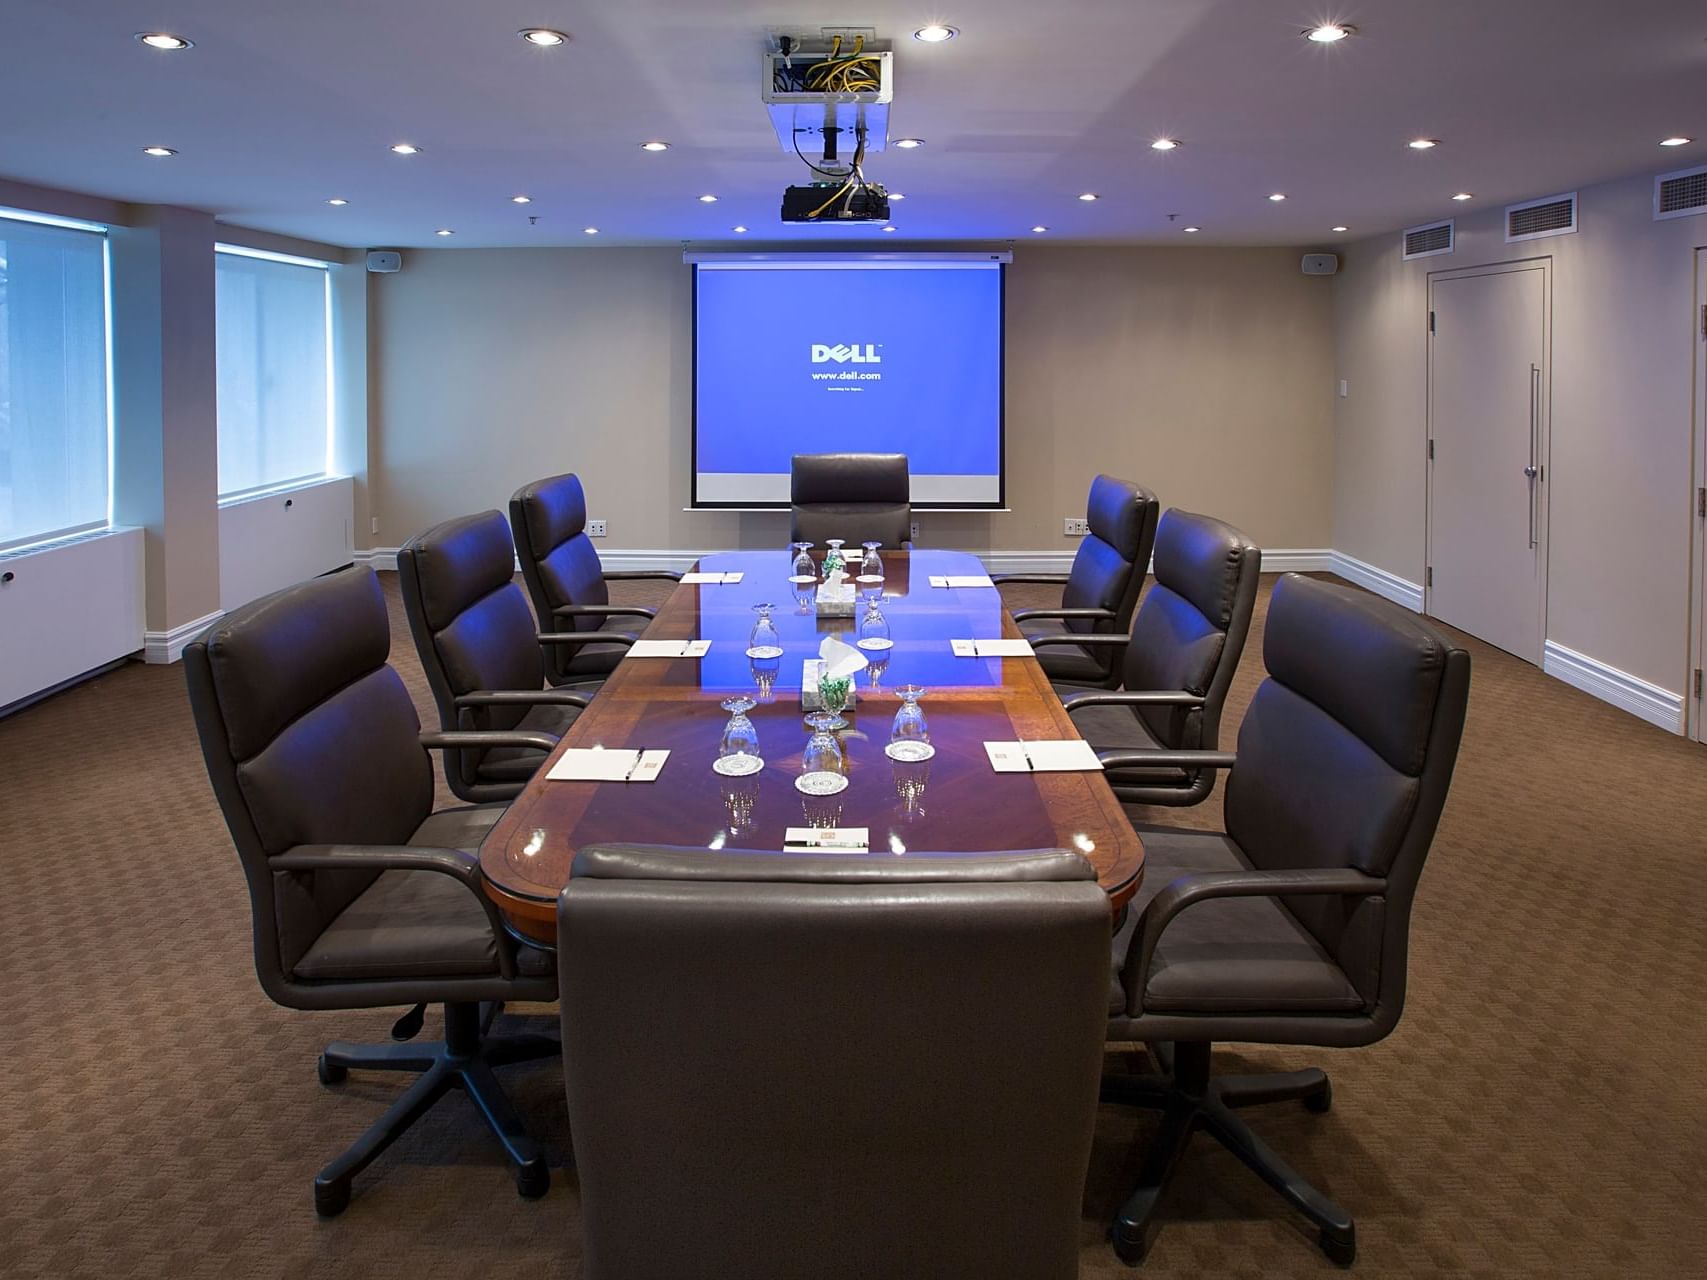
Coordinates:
(1204, 374)
(1622, 489)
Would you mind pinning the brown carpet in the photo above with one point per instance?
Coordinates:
(1540, 1110)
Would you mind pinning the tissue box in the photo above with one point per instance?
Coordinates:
(836, 601)
(809, 699)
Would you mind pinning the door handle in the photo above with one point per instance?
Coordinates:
(1529, 471)
(1533, 470)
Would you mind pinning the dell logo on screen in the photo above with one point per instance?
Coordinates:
(843, 354)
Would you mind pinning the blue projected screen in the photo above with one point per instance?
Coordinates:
(824, 354)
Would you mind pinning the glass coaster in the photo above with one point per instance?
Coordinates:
(908, 751)
(765, 651)
(821, 784)
(876, 642)
(803, 577)
(869, 577)
(737, 766)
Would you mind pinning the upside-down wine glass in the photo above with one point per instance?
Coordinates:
(870, 564)
(765, 641)
(803, 570)
(874, 627)
(822, 767)
(833, 558)
(909, 734)
(738, 751)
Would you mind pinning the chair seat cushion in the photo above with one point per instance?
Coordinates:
(1117, 729)
(1066, 663)
(518, 764)
(1225, 955)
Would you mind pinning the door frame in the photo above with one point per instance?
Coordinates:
(1694, 704)
(1543, 448)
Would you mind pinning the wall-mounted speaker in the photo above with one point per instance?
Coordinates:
(384, 260)
(1321, 264)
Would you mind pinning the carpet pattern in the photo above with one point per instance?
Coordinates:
(1539, 1111)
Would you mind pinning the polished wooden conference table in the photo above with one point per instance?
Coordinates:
(952, 803)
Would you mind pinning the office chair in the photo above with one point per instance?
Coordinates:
(860, 497)
(1292, 926)
(476, 637)
(360, 895)
(548, 519)
(1099, 592)
(781, 1065)
(1187, 638)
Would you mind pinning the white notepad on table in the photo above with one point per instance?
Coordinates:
(711, 577)
(827, 839)
(612, 764)
(969, 580)
(669, 649)
(939, 580)
(991, 648)
(1067, 755)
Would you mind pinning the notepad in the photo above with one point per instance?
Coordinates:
(939, 580)
(669, 649)
(612, 764)
(827, 839)
(968, 580)
(991, 648)
(1067, 755)
(711, 577)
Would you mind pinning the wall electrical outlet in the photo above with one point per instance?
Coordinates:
(373, 525)
(1075, 527)
(913, 532)
(595, 528)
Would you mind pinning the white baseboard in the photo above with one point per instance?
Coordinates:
(1389, 585)
(168, 646)
(376, 557)
(1630, 693)
(1297, 560)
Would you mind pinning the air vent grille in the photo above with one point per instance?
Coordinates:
(1678, 195)
(1426, 242)
(1554, 216)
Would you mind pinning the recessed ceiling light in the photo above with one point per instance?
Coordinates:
(1464, 195)
(405, 149)
(158, 151)
(1192, 230)
(1329, 32)
(444, 231)
(935, 33)
(1340, 228)
(1677, 140)
(654, 145)
(1278, 196)
(338, 201)
(544, 37)
(740, 231)
(708, 199)
(591, 231)
(1165, 144)
(161, 40)
(889, 228)
(1423, 144)
(907, 144)
(1039, 230)
(1087, 196)
(521, 199)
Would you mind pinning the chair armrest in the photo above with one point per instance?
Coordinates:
(1087, 640)
(1130, 698)
(999, 578)
(1183, 892)
(1098, 615)
(523, 697)
(634, 575)
(1163, 759)
(459, 863)
(587, 637)
(603, 611)
(489, 738)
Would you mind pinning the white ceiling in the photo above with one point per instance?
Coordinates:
(280, 106)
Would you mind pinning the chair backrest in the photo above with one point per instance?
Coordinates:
(1109, 567)
(862, 497)
(794, 1055)
(1190, 631)
(471, 624)
(1344, 760)
(560, 565)
(309, 738)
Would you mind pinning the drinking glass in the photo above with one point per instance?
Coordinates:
(833, 694)
(803, 570)
(822, 767)
(738, 752)
(910, 735)
(870, 565)
(764, 642)
(874, 627)
(833, 559)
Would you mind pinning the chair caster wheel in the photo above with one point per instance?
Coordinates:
(1341, 1249)
(331, 1073)
(331, 1198)
(533, 1179)
(1129, 1246)
(1319, 1102)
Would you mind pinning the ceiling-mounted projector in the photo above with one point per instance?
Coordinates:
(828, 97)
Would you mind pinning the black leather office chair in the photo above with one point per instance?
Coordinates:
(1292, 927)
(860, 497)
(1100, 591)
(360, 895)
(561, 568)
(476, 637)
(1187, 638)
(781, 1066)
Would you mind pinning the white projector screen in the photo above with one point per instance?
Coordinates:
(822, 353)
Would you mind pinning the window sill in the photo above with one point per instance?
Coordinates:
(280, 490)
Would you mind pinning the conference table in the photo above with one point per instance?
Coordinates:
(953, 803)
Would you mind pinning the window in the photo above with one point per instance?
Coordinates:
(55, 424)
(275, 383)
